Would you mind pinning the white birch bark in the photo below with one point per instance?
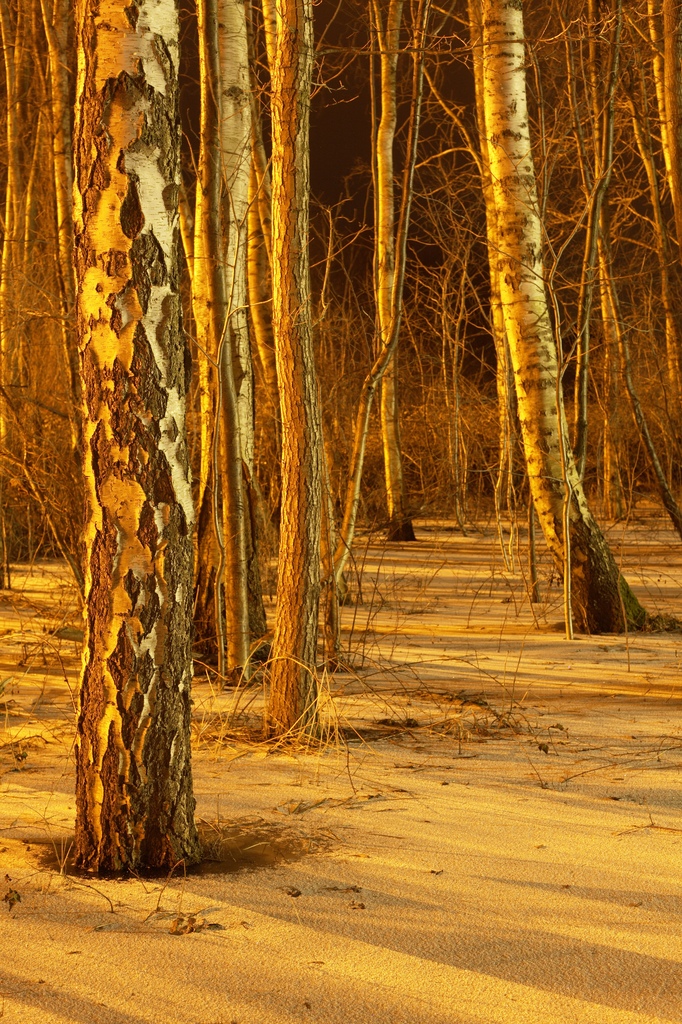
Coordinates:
(135, 806)
(601, 598)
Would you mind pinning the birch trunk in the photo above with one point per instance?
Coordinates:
(135, 806)
(503, 375)
(387, 41)
(672, 113)
(235, 137)
(602, 600)
(222, 578)
(293, 683)
(654, 15)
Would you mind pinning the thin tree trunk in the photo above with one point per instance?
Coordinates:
(615, 316)
(292, 701)
(387, 41)
(642, 132)
(226, 582)
(389, 344)
(236, 135)
(602, 100)
(503, 373)
(672, 86)
(601, 599)
(260, 303)
(56, 23)
(135, 806)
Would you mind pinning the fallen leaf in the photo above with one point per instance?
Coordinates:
(11, 898)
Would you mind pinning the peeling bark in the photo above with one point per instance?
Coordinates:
(135, 806)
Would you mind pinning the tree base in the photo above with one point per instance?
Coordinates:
(400, 530)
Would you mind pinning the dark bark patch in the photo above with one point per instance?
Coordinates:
(132, 13)
(132, 218)
(146, 373)
(147, 530)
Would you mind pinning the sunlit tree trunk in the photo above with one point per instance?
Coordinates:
(619, 330)
(390, 342)
(293, 684)
(602, 81)
(235, 137)
(672, 114)
(12, 36)
(641, 127)
(222, 577)
(135, 806)
(503, 377)
(601, 599)
(260, 300)
(386, 23)
(56, 20)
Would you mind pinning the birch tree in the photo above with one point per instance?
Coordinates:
(601, 598)
(134, 797)
(222, 578)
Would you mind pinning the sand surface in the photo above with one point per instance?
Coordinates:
(496, 837)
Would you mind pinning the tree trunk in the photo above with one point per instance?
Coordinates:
(222, 533)
(672, 88)
(56, 23)
(387, 40)
(642, 130)
(236, 133)
(390, 342)
(503, 377)
(135, 806)
(601, 599)
(293, 682)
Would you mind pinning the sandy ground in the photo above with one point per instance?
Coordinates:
(498, 839)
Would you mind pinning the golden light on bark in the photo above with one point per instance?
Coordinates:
(134, 783)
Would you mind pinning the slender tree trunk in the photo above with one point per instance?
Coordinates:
(56, 20)
(222, 578)
(389, 344)
(612, 304)
(503, 374)
(602, 84)
(293, 683)
(642, 132)
(236, 134)
(135, 806)
(260, 303)
(601, 599)
(612, 483)
(672, 87)
(387, 40)
(654, 19)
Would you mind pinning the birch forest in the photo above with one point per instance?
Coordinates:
(284, 281)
